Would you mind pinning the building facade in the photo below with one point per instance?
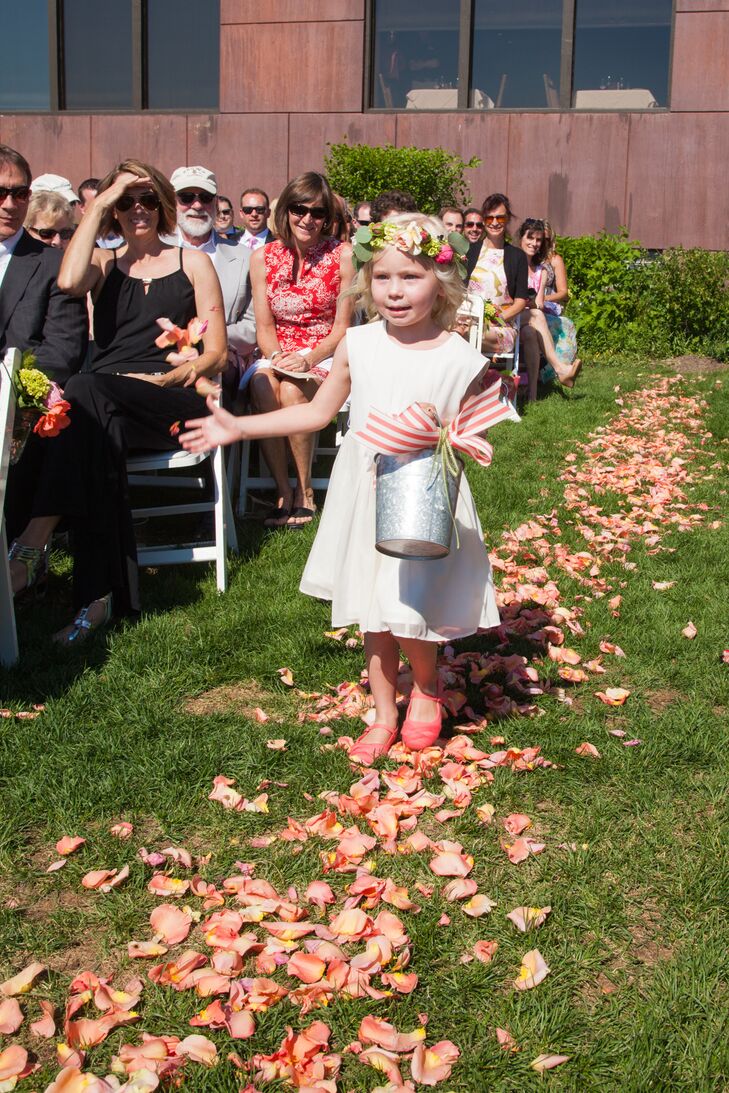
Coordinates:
(595, 113)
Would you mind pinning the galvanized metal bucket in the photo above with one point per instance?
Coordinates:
(416, 504)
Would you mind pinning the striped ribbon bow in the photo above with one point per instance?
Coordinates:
(414, 429)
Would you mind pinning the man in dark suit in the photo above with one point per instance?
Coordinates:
(34, 315)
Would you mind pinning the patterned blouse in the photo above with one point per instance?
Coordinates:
(303, 310)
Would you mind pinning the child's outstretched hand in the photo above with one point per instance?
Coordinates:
(204, 433)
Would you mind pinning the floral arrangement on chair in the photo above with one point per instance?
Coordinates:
(40, 405)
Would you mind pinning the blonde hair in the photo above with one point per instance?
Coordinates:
(46, 201)
(448, 275)
(550, 239)
(159, 184)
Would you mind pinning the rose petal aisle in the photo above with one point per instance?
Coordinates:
(525, 896)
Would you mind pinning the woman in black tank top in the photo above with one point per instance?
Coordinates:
(132, 394)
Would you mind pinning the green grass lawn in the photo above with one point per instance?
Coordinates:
(138, 723)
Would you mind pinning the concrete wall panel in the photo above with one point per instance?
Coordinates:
(52, 143)
(159, 139)
(676, 183)
(289, 11)
(309, 134)
(702, 5)
(297, 67)
(700, 61)
(485, 135)
(242, 149)
(569, 168)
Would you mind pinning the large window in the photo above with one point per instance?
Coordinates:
(621, 53)
(535, 54)
(101, 55)
(24, 75)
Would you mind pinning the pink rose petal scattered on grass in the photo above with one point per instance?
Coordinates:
(588, 749)
(69, 843)
(533, 970)
(23, 981)
(548, 1062)
(11, 1016)
(689, 631)
(613, 696)
(528, 918)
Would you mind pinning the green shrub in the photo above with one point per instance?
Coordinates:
(687, 300)
(433, 176)
(622, 300)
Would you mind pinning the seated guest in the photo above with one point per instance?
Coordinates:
(34, 315)
(391, 202)
(342, 229)
(302, 313)
(555, 334)
(361, 215)
(195, 194)
(452, 219)
(498, 272)
(224, 217)
(473, 226)
(254, 213)
(133, 394)
(50, 219)
(87, 191)
(57, 184)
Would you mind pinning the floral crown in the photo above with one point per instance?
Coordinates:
(410, 239)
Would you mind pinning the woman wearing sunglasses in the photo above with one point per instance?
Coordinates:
(498, 273)
(133, 393)
(301, 317)
(50, 219)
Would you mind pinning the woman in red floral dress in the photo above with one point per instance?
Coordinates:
(297, 281)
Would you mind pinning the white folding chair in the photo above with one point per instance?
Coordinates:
(506, 362)
(144, 469)
(264, 480)
(8, 632)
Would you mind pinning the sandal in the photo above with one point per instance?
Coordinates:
(279, 520)
(300, 517)
(35, 561)
(366, 749)
(82, 626)
(417, 735)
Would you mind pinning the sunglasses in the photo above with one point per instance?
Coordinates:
(186, 197)
(225, 212)
(473, 224)
(363, 223)
(46, 234)
(18, 193)
(317, 212)
(148, 201)
(248, 209)
(502, 219)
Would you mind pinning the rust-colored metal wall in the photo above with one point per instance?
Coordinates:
(293, 80)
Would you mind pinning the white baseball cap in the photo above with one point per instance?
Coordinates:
(55, 184)
(201, 178)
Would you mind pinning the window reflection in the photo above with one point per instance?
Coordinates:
(516, 53)
(416, 54)
(622, 54)
(97, 37)
(181, 33)
(24, 77)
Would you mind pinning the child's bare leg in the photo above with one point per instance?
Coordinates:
(383, 660)
(422, 656)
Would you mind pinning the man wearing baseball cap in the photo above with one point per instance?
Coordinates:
(195, 190)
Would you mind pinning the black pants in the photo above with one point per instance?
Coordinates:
(84, 476)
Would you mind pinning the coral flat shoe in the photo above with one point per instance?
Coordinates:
(417, 735)
(374, 742)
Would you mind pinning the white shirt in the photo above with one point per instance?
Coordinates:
(208, 247)
(7, 247)
(253, 241)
